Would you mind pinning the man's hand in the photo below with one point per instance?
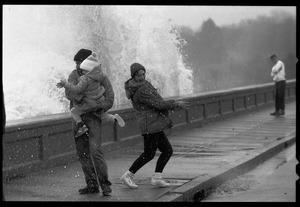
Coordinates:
(98, 112)
(61, 84)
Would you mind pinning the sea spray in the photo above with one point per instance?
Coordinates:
(39, 43)
(146, 36)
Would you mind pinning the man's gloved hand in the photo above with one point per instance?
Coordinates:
(98, 112)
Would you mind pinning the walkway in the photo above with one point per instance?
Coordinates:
(203, 158)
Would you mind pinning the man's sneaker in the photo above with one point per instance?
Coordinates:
(119, 120)
(127, 180)
(88, 190)
(159, 182)
(82, 130)
(280, 112)
(106, 190)
(275, 113)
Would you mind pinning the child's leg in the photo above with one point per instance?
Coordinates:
(106, 118)
(82, 128)
(76, 115)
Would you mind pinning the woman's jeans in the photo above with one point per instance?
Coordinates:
(151, 143)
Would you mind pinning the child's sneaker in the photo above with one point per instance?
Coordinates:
(81, 131)
(119, 120)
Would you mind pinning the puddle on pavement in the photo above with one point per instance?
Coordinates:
(192, 151)
(206, 154)
(246, 181)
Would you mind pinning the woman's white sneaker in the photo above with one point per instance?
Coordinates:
(127, 180)
(160, 183)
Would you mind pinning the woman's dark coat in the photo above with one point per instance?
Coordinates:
(152, 108)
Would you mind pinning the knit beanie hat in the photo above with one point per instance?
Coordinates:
(89, 63)
(135, 67)
(82, 54)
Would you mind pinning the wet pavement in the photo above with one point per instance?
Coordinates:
(272, 181)
(203, 158)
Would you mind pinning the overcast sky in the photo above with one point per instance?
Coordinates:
(193, 16)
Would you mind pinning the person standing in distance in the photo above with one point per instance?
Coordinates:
(278, 75)
(153, 118)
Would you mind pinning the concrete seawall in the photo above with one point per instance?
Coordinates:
(43, 142)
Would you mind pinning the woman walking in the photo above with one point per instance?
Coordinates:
(152, 116)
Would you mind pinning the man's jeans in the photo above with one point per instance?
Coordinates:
(90, 153)
(280, 95)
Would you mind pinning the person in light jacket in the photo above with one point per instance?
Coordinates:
(278, 75)
(153, 118)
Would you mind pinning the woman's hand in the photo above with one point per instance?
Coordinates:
(182, 104)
